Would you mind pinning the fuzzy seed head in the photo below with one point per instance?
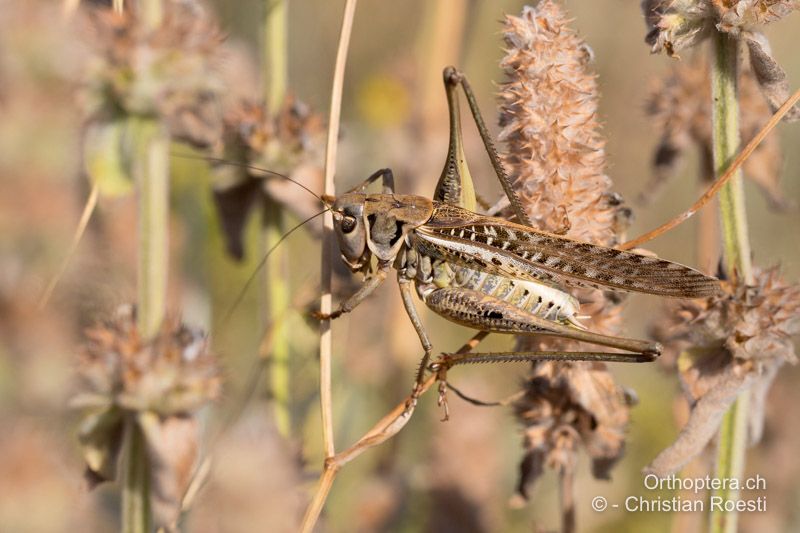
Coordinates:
(288, 141)
(548, 112)
(279, 141)
(567, 407)
(724, 345)
(149, 386)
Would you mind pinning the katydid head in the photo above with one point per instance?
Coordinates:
(351, 233)
(367, 224)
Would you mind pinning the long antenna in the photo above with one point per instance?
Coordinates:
(261, 263)
(324, 201)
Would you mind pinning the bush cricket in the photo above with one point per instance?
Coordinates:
(488, 273)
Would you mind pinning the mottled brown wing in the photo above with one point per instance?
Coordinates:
(501, 247)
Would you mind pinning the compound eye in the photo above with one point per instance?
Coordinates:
(348, 224)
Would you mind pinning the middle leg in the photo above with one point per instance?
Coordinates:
(406, 293)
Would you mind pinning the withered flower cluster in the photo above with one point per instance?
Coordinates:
(680, 106)
(674, 25)
(723, 345)
(154, 385)
(555, 156)
(182, 73)
(738, 340)
(260, 142)
(166, 72)
(566, 407)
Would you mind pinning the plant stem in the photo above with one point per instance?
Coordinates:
(736, 246)
(276, 57)
(326, 269)
(136, 515)
(152, 177)
(440, 43)
(88, 209)
(328, 251)
(151, 169)
(275, 301)
(151, 173)
(566, 483)
(275, 294)
(725, 119)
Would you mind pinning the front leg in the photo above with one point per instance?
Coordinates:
(369, 286)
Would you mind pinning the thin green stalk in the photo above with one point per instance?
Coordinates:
(136, 512)
(276, 55)
(276, 303)
(152, 180)
(736, 246)
(275, 295)
(151, 173)
(151, 170)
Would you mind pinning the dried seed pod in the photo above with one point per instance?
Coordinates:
(750, 323)
(567, 407)
(674, 25)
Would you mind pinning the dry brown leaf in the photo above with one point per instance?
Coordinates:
(770, 75)
(703, 424)
(172, 451)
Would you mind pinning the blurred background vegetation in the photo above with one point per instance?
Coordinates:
(454, 476)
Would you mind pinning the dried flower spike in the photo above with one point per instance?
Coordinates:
(556, 161)
(566, 407)
(158, 386)
(555, 153)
